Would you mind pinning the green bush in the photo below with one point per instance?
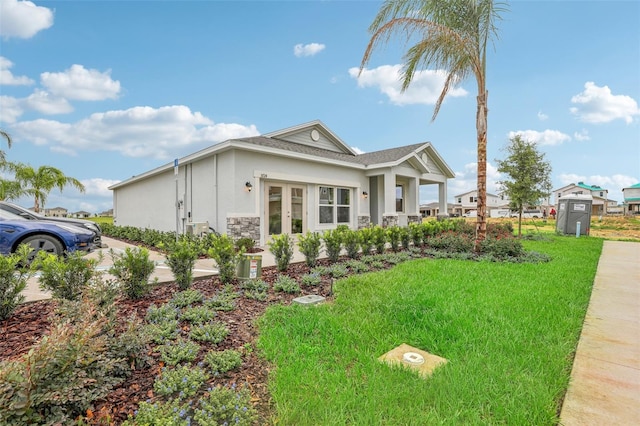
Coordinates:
(379, 238)
(366, 240)
(286, 284)
(186, 298)
(405, 237)
(183, 381)
(213, 332)
(66, 278)
(223, 361)
(164, 313)
(13, 279)
(255, 289)
(133, 269)
(198, 314)
(60, 377)
(356, 266)
(181, 258)
(351, 241)
(393, 237)
(502, 248)
(170, 413)
(224, 253)
(281, 247)
(416, 232)
(226, 406)
(245, 244)
(224, 300)
(180, 350)
(451, 242)
(162, 331)
(332, 243)
(311, 279)
(309, 245)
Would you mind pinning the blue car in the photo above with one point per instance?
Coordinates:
(54, 238)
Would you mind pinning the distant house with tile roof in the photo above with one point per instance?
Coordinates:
(299, 179)
(599, 194)
(631, 196)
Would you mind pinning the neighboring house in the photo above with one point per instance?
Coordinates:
(468, 202)
(433, 209)
(55, 212)
(303, 178)
(599, 206)
(106, 213)
(631, 199)
(81, 214)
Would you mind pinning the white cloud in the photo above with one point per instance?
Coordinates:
(467, 180)
(425, 87)
(10, 109)
(23, 19)
(598, 105)
(613, 184)
(542, 116)
(582, 135)
(6, 76)
(310, 49)
(98, 186)
(82, 84)
(46, 103)
(136, 132)
(547, 137)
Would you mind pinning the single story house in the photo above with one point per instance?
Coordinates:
(433, 210)
(599, 205)
(631, 196)
(299, 179)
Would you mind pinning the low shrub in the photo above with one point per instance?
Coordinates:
(186, 298)
(198, 314)
(222, 361)
(132, 269)
(14, 275)
(332, 243)
(170, 413)
(183, 381)
(164, 313)
(502, 248)
(366, 240)
(351, 241)
(393, 237)
(286, 284)
(223, 252)
(311, 279)
(451, 242)
(213, 332)
(309, 245)
(181, 258)
(245, 245)
(281, 247)
(66, 278)
(357, 266)
(224, 300)
(379, 238)
(255, 289)
(180, 350)
(226, 406)
(162, 331)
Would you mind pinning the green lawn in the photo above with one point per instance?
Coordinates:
(508, 330)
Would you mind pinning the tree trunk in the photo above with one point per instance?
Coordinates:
(481, 127)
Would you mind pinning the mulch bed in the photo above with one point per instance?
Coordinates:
(31, 321)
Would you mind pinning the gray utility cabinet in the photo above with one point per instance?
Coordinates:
(574, 208)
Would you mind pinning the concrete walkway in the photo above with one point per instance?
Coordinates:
(605, 380)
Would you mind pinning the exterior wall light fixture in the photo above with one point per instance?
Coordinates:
(248, 186)
(365, 194)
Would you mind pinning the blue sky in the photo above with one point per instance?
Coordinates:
(104, 90)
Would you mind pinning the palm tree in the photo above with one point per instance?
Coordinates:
(40, 182)
(451, 35)
(12, 190)
(7, 137)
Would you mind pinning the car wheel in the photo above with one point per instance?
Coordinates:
(45, 243)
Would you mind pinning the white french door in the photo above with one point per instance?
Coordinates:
(285, 208)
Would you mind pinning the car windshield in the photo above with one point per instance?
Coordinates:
(5, 215)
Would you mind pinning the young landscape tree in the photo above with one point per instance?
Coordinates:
(527, 175)
(453, 36)
(39, 182)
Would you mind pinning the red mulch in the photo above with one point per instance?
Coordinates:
(31, 321)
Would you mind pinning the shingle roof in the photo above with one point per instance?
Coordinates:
(369, 158)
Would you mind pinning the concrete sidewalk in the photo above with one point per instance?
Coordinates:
(605, 379)
(203, 267)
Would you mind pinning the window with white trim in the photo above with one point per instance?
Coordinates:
(334, 205)
(399, 198)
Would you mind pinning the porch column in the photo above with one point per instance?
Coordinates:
(389, 216)
(442, 200)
